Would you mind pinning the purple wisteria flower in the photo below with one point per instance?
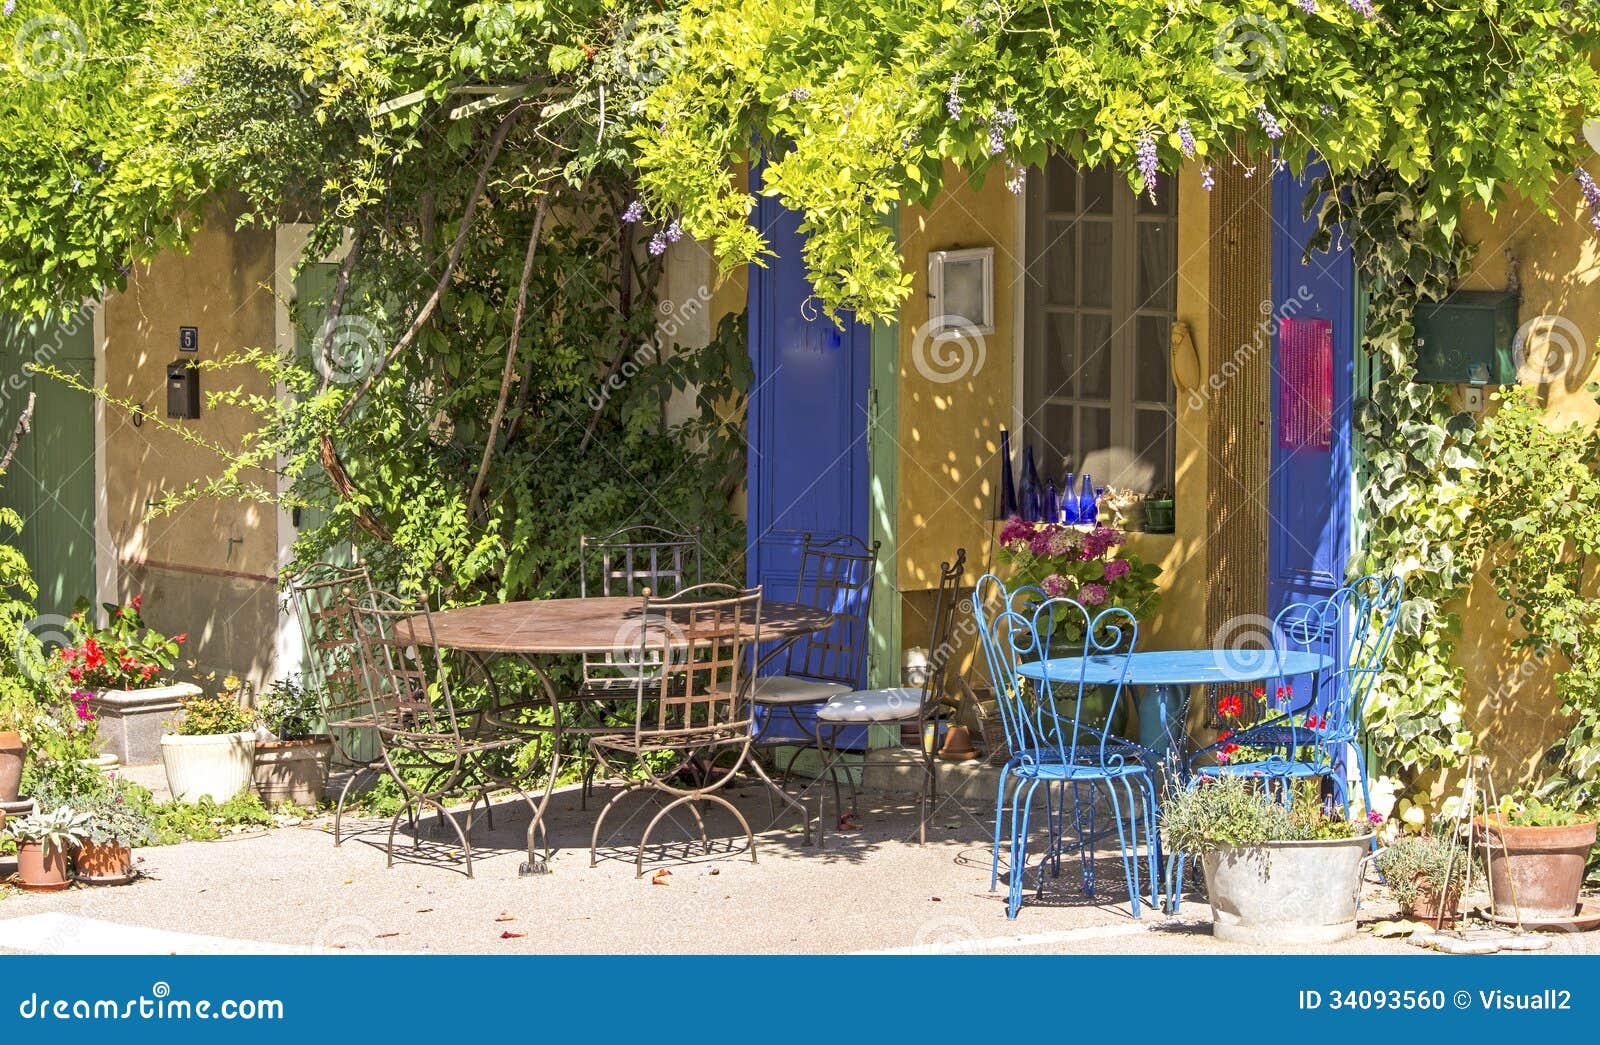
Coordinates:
(800, 94)
(952, 100)
(999, 123)
(634, 212)
(974, 24)
(674, 232)
(1308, 6)
(1149, 162)
(1591, 195)
(1186, 139)
(1363, 8)
(1269, 122)
(11, 5)
(658, 245)
(1208, 178)
(1017, 181)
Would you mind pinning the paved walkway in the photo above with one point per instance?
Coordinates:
(869, 890)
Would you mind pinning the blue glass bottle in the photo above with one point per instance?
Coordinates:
(1069, 501)
(1030, 492)
(1088, 509)
(1050, 507)
(1008, 485)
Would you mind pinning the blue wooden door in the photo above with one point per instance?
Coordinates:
(808, 469)
(1310, 506)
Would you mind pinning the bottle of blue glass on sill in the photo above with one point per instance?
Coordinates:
(1050, 507)
(1030, 493)
(1088, 510)
(1069, 501)
(1008, 483)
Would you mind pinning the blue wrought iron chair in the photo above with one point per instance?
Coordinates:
(1052, 746)
(1298, 741)
(1301, 741)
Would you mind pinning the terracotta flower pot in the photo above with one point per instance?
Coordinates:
(104, 863)
(1430, 909)
(12, 753)
(1536, 873)
(35, 870)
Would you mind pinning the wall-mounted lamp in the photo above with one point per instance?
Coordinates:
(961, 290)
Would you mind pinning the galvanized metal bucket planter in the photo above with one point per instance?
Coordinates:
(1286, 892)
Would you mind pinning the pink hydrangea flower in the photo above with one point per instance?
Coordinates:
(1092, 594)
(1116, 568)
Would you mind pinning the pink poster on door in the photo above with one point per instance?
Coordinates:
(1305, 384)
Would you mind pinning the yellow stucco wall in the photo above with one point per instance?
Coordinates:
(205, 569)
(1509, 698)
(949, 431)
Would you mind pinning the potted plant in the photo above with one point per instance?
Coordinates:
(292, 762)
(45, 842)
(122, 675)
(211, 751)
(1275, 873)
(1159, 509)
(16, 714)
(1536, 855)
(1425, 875)
(114, 825)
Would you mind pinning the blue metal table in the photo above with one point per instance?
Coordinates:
(1163, 679)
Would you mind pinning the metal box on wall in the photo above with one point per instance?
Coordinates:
(1467, 339)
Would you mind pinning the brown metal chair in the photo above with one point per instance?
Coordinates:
(897, 706)
(415, 720)
(323, 595)
(694, 702)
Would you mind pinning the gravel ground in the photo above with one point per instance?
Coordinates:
(869, 889)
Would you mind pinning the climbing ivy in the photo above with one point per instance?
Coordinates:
(1422, 474)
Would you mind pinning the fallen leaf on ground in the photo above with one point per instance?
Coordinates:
(384, 936)
(509, 935)
(424, 910)
(660, 878)
(848, 822)
(503, 917)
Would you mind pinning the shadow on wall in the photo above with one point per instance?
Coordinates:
(231, 622)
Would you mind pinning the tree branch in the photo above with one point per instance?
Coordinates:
(454, 258)
(24, 423)
(509, 370)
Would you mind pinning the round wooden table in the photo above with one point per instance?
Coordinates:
(531, 631)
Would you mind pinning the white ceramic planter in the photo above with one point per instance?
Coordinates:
(215, 767)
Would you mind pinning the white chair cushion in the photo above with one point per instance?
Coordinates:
(899, 704)
(786, 689)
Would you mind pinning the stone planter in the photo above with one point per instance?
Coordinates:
(217, 767)
(12, 753)
(132, 721)
(1535, 873)
(1286, 892)
(293, 770)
